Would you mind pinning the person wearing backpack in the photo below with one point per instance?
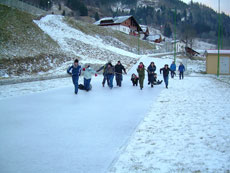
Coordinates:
(75, 71)
(105, 75)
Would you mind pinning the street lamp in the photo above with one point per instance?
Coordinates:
(48, 4)
(175, 13)
(218, 63)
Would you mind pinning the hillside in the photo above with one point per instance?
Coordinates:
(20, 37)
(193, 20)
(45, 46)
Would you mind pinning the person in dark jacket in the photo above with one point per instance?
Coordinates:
(110, 70)
(181, 70)
(75, 72)
(104, 67)
(151, 71)
(134, 79)
(141, 74)
(157, 82)
(118, 72)
(166, 71)
(173, 69)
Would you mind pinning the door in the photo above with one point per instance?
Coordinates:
(224, 65)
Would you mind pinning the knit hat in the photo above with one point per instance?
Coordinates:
(76, 61)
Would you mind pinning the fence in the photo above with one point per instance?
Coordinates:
(24, 6)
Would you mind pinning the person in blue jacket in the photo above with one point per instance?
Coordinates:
(88, 72)
(181, 70)
(173, 69)
(75, 72)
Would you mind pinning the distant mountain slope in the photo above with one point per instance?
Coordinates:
(29, 45)
(193, 20)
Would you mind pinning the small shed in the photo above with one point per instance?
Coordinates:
(212, 61)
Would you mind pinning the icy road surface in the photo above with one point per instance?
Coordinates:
(57, 131)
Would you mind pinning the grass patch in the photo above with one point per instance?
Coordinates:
(20, 36)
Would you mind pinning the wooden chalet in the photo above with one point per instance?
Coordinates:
(126, 24)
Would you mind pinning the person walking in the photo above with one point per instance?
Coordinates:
(141, 74)
(88, 72)
(181, 70)
(75, 72)
(173, 69)
(110, 70)
(165, 70)
(118, 72)
(151, 71)
(105, 76)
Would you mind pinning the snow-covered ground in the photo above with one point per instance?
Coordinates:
(44, 127)
(54, 130)
(186, 130)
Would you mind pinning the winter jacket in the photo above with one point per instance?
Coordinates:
(134, 79)
(104, 67)
(74, 70)
(173, 67)
(141, 72)
(88, 73)
(110, 70)
(119, 68)
(181, 68)
(151, 69)
(165, 71)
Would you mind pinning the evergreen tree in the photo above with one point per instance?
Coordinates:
(78, 6)
(167, 31)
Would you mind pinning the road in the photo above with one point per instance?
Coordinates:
(57, 131)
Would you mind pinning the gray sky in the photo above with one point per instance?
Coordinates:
(224, 4)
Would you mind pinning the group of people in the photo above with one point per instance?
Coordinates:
(110, 71)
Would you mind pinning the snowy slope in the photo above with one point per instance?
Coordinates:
(76, 43)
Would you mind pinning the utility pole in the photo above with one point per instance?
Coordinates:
(221, 31)
(138, 43)
(175, 13)
(218, 63)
